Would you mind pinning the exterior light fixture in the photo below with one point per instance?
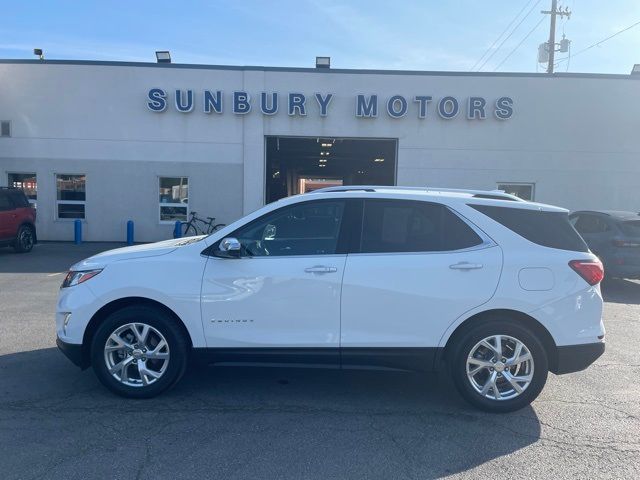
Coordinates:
(327, 145)
(324, 154)
(38, 53)
(323, 160)
(378, 160)
(323, 62)
(163, 56)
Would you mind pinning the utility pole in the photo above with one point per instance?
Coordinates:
(552, 33)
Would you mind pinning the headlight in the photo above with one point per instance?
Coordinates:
(77, 277)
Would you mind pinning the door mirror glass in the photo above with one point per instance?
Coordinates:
(229, 248)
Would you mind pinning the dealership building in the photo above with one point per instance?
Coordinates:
(108, 142)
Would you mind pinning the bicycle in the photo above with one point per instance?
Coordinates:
(192, 228)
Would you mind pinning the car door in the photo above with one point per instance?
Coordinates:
(8, 217)
(418, 267)
(284, 290)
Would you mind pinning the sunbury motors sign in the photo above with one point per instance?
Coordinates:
(365, 106)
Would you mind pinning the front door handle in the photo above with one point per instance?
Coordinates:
(465, 266)
(321, 269)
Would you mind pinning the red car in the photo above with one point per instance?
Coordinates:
(17, 220)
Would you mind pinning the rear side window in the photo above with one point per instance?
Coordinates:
(19, 199)
(413, 226)
(5, 202)
(549, 229)
(631, 228)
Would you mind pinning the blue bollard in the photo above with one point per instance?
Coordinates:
(77, 232)
(177, 229)
(130, 232)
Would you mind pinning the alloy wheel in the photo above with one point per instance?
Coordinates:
(26, 239)
(136, 354)
(500, 367)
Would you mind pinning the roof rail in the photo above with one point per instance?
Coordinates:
(490, 194)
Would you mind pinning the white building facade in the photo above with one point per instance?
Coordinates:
(108, 142)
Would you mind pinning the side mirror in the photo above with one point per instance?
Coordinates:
(228, 248)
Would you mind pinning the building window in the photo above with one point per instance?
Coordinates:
(27, 182)
(524, 191)
(174, 199)
(71, 196)
(5, 128)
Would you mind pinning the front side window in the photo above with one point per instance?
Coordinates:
(174, 198)
(27, 182)
(413, 226)
(308, 228)
(520, 190)
(71, 196)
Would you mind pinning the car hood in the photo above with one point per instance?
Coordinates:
(136, 251)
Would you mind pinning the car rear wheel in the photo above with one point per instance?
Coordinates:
(25, 239)
(499, 366)
(139, 352)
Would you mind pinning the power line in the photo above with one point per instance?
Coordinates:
(509, 36)
(601, 41)
(500, 36)
(518, 46)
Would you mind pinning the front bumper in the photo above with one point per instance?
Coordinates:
(573, 358)
(73, 352)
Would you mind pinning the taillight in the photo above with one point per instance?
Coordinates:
(591, 271)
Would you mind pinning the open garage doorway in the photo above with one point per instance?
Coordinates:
(303, 164)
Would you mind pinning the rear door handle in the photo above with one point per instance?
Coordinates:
(465, 266)
(321, 269)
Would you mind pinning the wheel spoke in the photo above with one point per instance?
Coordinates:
(121, 367)
(120, 343)
(141, 336)
(145, 373)
(491, 383)
(512, 380)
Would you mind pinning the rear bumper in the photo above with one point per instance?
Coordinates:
(573, 358)
(622, 271)
(73, 352)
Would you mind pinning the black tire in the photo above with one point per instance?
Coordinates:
(166, 325)
(25, 239)
(466, 343)
(190, 231)
(217, 227)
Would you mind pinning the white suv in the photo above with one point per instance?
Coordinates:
(497, 290)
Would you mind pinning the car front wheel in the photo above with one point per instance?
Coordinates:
(499, 366)
(139, 352)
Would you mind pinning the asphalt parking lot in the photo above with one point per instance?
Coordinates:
(237, 423)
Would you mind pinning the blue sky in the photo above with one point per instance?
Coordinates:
(411, 34)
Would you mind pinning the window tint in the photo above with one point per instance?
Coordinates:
(631, 228)
(549, 229)
(590, 224)
(5, 202)
(19, 199)
(309, 228)
(413, 226)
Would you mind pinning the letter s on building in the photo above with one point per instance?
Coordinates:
(504, 108)
(157, 100)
